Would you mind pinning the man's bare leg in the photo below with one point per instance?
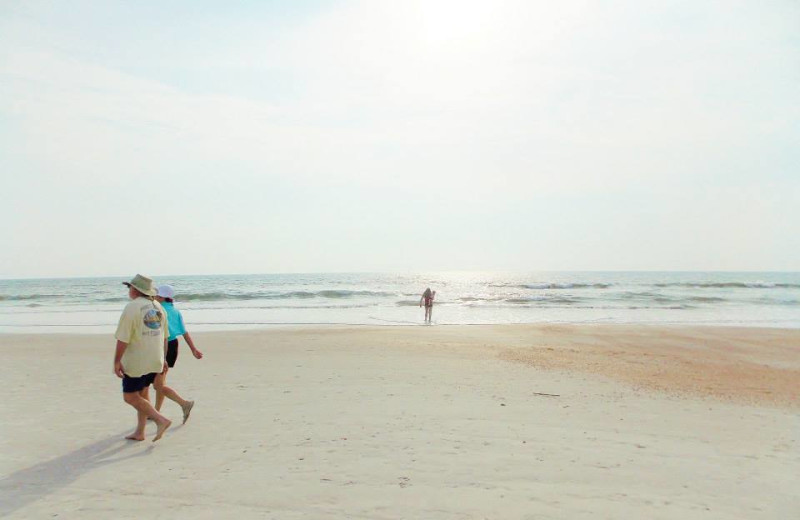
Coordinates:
(141, 421)
(146, 395)
(144, 408)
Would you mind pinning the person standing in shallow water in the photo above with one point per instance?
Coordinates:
(139, 357)
(427, 300)
(165, 296)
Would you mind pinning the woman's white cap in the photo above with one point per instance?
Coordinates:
(166, 291)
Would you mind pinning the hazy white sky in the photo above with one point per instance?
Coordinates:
(195, 136)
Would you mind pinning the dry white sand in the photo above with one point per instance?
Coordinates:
(419, 422)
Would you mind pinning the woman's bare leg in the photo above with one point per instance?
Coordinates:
(171, 394)
(159, 393)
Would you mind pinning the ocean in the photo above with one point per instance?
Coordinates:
(220, 302)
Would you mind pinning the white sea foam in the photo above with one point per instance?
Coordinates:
(225, 301)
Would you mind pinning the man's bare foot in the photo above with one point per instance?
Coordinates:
(162, 427)
(187, 410)
(135, 437)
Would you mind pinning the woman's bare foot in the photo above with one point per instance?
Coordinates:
(135, 436)
(187, 410)
(162, 427)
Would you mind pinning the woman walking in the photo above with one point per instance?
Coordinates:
(177, 328)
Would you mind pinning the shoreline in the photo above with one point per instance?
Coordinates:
(212, 328)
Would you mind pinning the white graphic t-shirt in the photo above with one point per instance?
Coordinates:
(143, 326)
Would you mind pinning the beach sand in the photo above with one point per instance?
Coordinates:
(443, 422)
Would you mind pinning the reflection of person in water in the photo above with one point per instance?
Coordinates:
(427, 300)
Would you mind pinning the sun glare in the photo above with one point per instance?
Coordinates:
(454, 22)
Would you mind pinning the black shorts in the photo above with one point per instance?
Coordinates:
(172, 352)
(137, 384)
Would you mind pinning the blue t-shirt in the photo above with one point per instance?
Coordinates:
(174, 321)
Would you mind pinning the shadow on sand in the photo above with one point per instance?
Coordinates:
(31, 484)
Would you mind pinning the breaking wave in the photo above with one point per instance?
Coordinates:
(542, 286)
(729, 285)
(329, 294)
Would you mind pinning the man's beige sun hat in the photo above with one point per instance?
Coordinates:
(142, 284)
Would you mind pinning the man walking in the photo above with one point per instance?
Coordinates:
(141, 340)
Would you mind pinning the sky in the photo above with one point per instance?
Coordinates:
(200, 137)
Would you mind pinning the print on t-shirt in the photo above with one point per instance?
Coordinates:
(152, 319)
